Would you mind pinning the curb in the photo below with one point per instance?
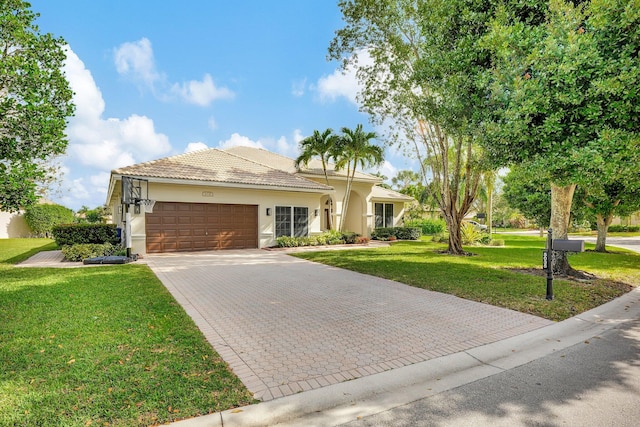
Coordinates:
(352, 400)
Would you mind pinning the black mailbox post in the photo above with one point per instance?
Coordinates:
(559, 245)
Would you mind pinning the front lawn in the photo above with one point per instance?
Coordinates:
(496, 275)
(105, 346)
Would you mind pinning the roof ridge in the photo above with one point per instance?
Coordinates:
(252, 160)
(150, 162)
(267, 166)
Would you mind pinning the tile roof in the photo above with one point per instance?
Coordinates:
(214, 165)
(382, 193)
(287, 164)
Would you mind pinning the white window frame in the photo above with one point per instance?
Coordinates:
(294, 230)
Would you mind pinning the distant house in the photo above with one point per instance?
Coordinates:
(13, 225)
(245, 197)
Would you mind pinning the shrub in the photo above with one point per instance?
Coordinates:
(305, 241)
(408, 233)
(439, 237)
(362, 240)
(43, 218)
(286, 242)
(382, 233)
(624, 228)
(469, 234)
(428, 226)
(497, 242)
(82, 251)
(71, 234)
(333, 237)
(402, 233)
(350, 237)
(517, 220)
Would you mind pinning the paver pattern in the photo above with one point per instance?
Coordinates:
(286, 325)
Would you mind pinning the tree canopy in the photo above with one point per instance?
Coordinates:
(565, 90)
(35, 101)
(323, 146)
(353, 149)
(421, 84)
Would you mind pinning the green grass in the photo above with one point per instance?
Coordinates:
(13, 251)
(489, 275)
(101, 346)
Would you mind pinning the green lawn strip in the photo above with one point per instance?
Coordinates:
(494, 275)
(103, 346)
(13, 251)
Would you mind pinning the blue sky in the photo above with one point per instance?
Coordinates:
(154, 79)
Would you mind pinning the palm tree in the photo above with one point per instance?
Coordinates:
(320, 145)
(353, 149)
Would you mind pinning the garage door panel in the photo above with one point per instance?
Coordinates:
(177, 226)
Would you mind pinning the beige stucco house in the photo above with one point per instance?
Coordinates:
(243, 197)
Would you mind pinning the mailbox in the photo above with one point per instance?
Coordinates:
(568, 245)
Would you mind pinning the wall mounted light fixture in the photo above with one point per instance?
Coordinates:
(316, 212)
(268, 211)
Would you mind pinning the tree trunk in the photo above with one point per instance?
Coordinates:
(561, 198)
(490, 209)
(455, 237)
(603, 228)
(345, 200)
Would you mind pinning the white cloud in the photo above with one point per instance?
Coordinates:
(297, 136)
(195, 146)
(338, 84)
(213, 125)
(298, 87)
(239, 140)
(99, 144)
(281, 145)
(201, 93)
(135, 59)
(343, 83)
(388, 170)
(286, 148)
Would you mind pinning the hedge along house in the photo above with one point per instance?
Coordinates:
(243, 197)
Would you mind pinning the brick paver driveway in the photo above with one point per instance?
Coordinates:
(286, 325)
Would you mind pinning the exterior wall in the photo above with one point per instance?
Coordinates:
(361, 215)
(633, 219)
(13, 225)
(208, 194)
(360, 210)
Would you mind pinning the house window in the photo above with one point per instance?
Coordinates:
(300, 222)
(383, 214)
(292, 221)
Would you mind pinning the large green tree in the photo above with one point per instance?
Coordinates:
(528, 190)
(35, 101)
(423, 85)
(610, 183)
(353, 149)
(560, 86)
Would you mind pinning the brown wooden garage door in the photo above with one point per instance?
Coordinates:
(174, 227)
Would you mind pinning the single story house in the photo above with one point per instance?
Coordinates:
(241, 197)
